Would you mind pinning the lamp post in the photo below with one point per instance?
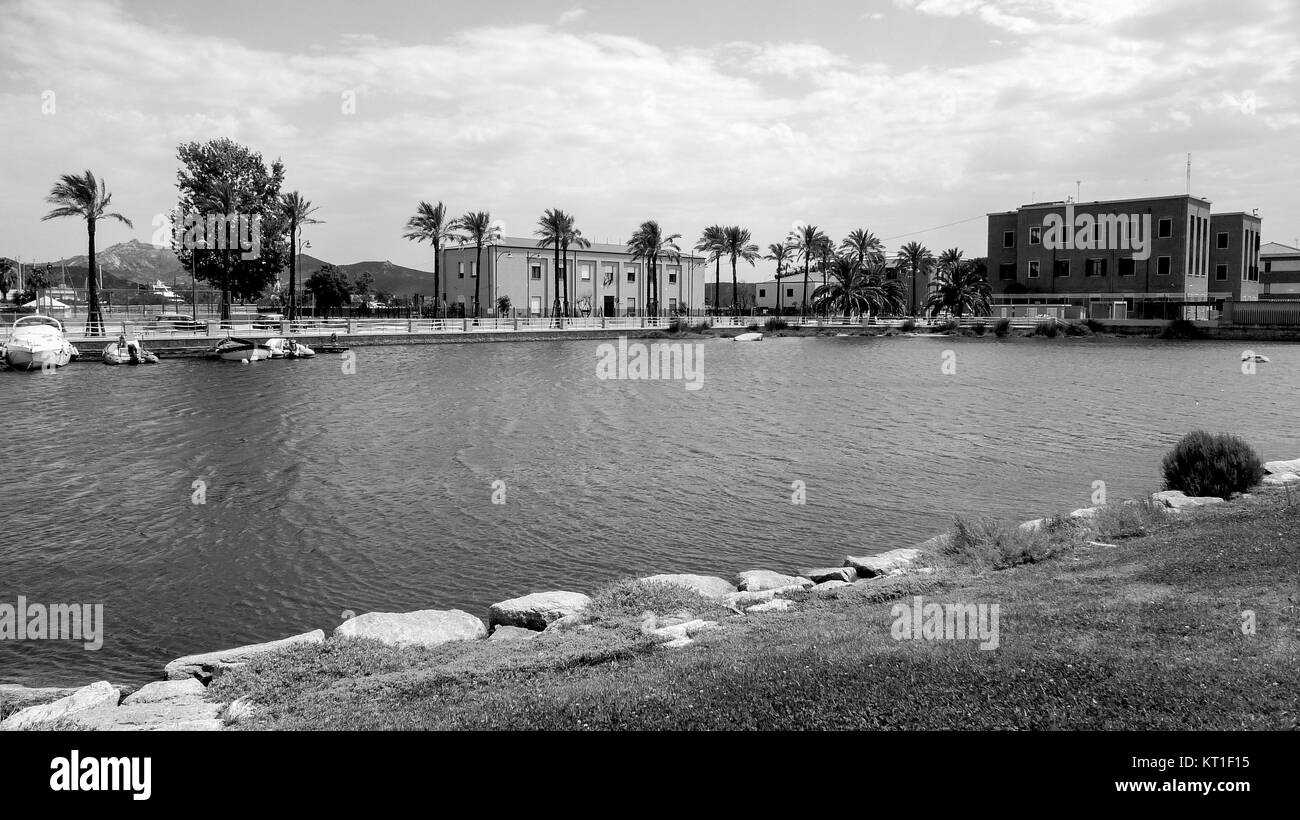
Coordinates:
(496, 277)
(293, 294)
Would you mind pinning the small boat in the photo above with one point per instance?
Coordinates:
(231, 349)
(749, 337)
(1249, 356)
(125, 351)
(282, 348)
(37, 342)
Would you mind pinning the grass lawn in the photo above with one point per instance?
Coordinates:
(1142, 633)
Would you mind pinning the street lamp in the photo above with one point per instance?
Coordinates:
(496, 277)
(293, 291)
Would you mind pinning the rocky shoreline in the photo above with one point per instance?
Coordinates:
(179, 702)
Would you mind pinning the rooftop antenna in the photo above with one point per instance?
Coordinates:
(1078, 188)
(1189, 174)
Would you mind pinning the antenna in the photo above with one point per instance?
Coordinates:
(1078, 188)
(1189, 174)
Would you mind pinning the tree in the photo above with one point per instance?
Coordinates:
(329, 288)
(85, 197)
(780, 253)
(737, 245)
(219, 182)
(6, 277)
(806, 241)
(557, 231)
(571, 236)
(478, 228)
(503, 304)
(430, 224)
(710, 243)
(960, 289)
(949, 262)
(864, 246)
(852, 288)
(649, 244)
(298, 212)
(361, 286)
(920, 262)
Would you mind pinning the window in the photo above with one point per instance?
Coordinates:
(610, 271)
(1221, 272)
(1164, 265)
(460, 270)
(1036, 235)
(1127, 266)
(536, 272)
(631, 273)
(672, 275)
(762, 293)
(584, 271)
(1006, 271)
(1268, 266)
(473, 270)
(1033, 268)
(789, 293)
(1165, 227)
(1221, 240)
(672, 304)
(1095, 266)
(1061, 267)
(1008, 239)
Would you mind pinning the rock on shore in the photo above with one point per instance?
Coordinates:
(710, 586)
(821, 575)
(84, 699)
(424, 627)
(205, 665)
(15, 697)
(893, 562)
(757, 580)
(536, 611)
(1176, 500)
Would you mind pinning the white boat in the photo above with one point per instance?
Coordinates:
(127, 351)
(231, 349)
(37, 342)
(282, 348)
(749, 337)
(1253, 357)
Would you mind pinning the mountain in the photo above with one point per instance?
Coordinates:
(136, 262)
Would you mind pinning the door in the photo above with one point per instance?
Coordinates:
(535, 306)
(611, 306)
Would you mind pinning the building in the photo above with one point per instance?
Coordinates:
(606, 280)
(1280, 275)
(766, 292)
(1152, 257)
(743, 300)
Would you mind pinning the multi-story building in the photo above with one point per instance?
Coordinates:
(604, 280)
(1280, 277)
(1151, 257)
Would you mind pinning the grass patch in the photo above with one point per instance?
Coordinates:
(629, 599)
(985, 543)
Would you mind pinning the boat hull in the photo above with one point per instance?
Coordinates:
(22, 357)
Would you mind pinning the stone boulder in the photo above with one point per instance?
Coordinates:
(512, 633)
(538, 610)
(208, 664)
(14, 697)
(165, 691)
(1176, 500)
(1279, 467)
(822, 574)
(424, 627)
(96, 695)
(1085, 513)
(710, 586)
(774, 605)
(893, 562)
(738, 600)
(757, 580)
(1281, 478)
(1032, 526)
(829, 586)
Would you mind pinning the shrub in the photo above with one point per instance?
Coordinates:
(1076, 329)
(1047, 328)
(677, 325)
(980, 328)
(1211, 464)
(991, 543)
(623, 599)
(774, 324)
(752, 327)
(1181, 329)
(908, 326)
(1095, 325)
(1002, 328)
(702, 326)
(949, 326)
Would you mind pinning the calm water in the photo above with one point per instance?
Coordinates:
(372, 491)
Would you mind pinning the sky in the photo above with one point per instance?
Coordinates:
(910, 118)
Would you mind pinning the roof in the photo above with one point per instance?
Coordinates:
(1063, 203)
(530, 244)
(1278, 249)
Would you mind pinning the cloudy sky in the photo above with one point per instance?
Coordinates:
(912, 118)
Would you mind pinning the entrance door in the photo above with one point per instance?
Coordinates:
(535, 306)
(611, 305)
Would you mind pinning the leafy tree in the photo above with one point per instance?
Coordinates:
(962, 288)
(329, 287)
(85, 197)
(737, 245)
(431, 224)
(710, 243)
(476, 227)
(224, 178)
(503, 304)
(361, 286)
(6, 277)
(298, 212)
(851, 288)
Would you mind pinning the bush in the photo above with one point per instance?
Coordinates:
(1181, 329)
(624, 599)
(702, 326)
(949, 326)
(752, 327)
(908, 326)
(1002, 328)
(980, 328)
(1211, 464)
(1095, 326)
(1076, 329)
(774, 324)
(1047, 328)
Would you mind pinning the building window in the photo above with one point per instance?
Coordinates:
(1127, 266)
(1061, 267)
(536, 272)
(1008, 239)
(672, 304)
(1036, 235)
(1006, 271)
(631, 273)
(584, 271)
(1220, 273)
(1164, 265)
(672, 275)
(1094, 267)
(460, 270)
(762, 293)
(1221, 240)
(1165, 227)
(473, 270)
(1033, 268)
(1268, 266)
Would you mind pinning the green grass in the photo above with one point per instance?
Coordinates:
(1139, 629)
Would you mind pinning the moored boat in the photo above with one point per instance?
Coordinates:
(282, 348)
(127, 351)
(37, 341)
(231, 349)
(749, 337)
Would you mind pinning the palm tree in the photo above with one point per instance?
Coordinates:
(780, 253)
(949, 262)
(856, 289)
(299, 212)
(710, 243)
(806, 241)
(649, 243)
(737, 244)
(430, 224)
(551, 227)
(570, 236)
(87, 198)
(960, 290)
(863, 245)
(477, 227)
(920, 261)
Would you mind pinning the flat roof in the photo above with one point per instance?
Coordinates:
(1063, 203)
(530, 244)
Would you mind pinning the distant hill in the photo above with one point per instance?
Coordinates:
(135, 262)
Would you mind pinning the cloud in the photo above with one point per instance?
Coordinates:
(571, 16)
